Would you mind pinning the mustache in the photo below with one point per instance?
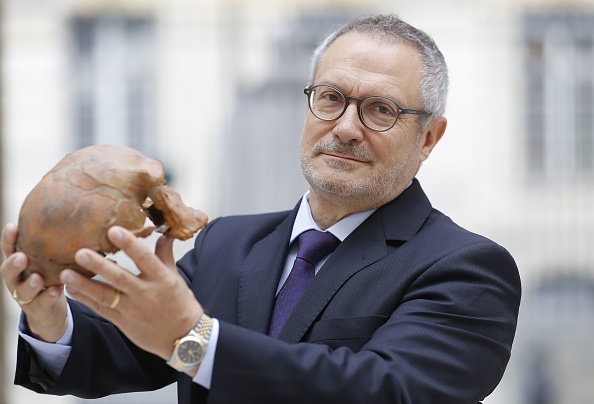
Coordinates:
(343, 149)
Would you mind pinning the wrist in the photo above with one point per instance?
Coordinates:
(192, 372)
(189, 350)
(46, 334)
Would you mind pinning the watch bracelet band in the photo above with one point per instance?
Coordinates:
(202, 330)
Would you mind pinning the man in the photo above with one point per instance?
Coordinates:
(409, 308)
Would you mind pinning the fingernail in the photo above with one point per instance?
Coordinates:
(82, 258)
(19, 261)
(33, 282)
(116, 233)
(53, 292)
(67, 277)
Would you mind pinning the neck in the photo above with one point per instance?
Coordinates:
(327, 209)
(326, 213)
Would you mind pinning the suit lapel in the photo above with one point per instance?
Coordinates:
(398, 220)
(357, 251)
(260, 276)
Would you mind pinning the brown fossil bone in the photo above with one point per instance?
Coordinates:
(85, 194)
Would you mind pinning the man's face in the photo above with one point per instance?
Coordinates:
(345, 162)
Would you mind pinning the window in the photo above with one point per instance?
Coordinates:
(559, 49)
(112, 74)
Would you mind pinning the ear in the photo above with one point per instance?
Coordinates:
(431, 135)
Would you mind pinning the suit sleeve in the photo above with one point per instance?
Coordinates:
(448, 340)
(102, 362)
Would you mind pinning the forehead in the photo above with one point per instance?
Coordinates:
(365, 64)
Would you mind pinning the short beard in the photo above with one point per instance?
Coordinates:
(377, 187)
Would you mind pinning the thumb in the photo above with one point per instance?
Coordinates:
(8, 240)
(164, 250)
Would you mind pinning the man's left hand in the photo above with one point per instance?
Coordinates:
(154, 308)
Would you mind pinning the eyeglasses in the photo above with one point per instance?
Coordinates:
(377, 113)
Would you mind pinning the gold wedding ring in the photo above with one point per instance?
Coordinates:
(19, 301)
(116, 300)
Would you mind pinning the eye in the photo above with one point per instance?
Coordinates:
(329, 96)
(379, 113)
(379, 107)
(332, 97)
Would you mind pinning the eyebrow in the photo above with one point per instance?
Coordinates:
(341, 88)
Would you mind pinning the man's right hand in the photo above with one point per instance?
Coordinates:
(44, 308)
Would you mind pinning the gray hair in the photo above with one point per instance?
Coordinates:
(433, 88)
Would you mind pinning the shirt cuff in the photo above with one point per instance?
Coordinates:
(51, 356)
(204, 375)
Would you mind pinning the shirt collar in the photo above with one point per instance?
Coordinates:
(304, 221)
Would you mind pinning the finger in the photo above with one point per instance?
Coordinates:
(164, 250)
(148, 263)
(44, 298)
(26, 292)
(8, 241)
(99, 308)
(113, 274)
(94, 294)
(12, 268)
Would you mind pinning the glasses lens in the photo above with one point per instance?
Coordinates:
(326, 103)
(379, 113)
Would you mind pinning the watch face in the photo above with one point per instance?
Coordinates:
(190, 351)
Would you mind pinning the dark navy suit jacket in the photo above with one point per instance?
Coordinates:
(410, 308)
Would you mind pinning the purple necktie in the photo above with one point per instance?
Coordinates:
(313, 246)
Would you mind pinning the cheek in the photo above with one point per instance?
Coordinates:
(313, 130)
(387, 151)
(396, 153)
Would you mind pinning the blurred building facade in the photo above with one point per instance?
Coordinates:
(214, 90)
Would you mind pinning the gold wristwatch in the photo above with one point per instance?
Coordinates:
(189, 350)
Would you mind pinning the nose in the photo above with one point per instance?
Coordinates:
(349, 127)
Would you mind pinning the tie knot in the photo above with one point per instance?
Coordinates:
(315, 245)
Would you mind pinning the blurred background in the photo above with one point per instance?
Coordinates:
(213, 89)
